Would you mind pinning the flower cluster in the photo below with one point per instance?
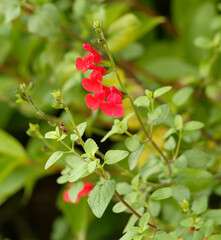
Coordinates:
(109, 100)
(84, 192)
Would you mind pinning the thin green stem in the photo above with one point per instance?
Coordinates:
(121, 83)
(177, 148)
(74, 126)
(128, 133)
(42, 114)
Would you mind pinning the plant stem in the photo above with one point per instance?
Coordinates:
(177, 148)
(42, 114)
(121, 83)
(74, 126)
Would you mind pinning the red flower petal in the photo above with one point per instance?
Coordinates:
(118, 111)
(91, 85)
(97, 56)
(79, 63)
(66, 197)
(106, 108)
(96, 75)
(100, 69)
(86, 189)
(92, 102)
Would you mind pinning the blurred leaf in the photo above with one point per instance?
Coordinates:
(74, 190)
(182, 96)
(170, 144)
(162, 193)
(193, 125)
(129, 28)
(7, 143)
(213, 214)
(199, 205)
(163, 235)
(45, 22)
(10, 9)
(142, 101)
(195, 179)
(100, 197)
(144, 220)
(5, 48)
(161, 91)
(203, 42)
(155, 114)
(165, 110)
(132, 143)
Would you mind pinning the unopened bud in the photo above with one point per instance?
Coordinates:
(64, 131)
(96, 24)
(62, 125)
(44, 148)
(30, 86)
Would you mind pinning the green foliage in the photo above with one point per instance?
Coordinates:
(100, 197)
(53, 158)
(114, 156)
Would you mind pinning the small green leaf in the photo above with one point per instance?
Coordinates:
(125, 120)
(170, 144)
(119, 207)
(128, 236)
(92, 166)
(81, 128)
(165, 110)
(134, 157)
(162, 193)
(169, 132)
(215, 237)
(110, 133)
(114, 156)
(80, 171)
(178, 122)
(188, 222)
(51, 135)
(155, 114)
(144, 220)
(142, 101)
(132, 143)
(90, 147)
(193, 125)
(100, 197)
(161, 91)
(203, 42)
(12, 13)
(199, 205)
(160, 235)
(74, 190)
(181, 96)
(53, 158)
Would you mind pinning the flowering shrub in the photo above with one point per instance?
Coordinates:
(133, 137)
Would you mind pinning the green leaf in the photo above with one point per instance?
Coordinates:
(81, 129)
(53, 158)
(178, 122)
(181, 192)
(170, 144)
(165, 110)
(90, 147)
(188, 222)
(155, 114)
(182, 96)
(9, 143)
(114, 156)
(128, 236)
(162, 193)
(128, 28)
(51, 135)
(215, 237)
(193, 125)
(169, 132)
(160, 235)
(214, 214)
(142, 101)
(80, 171)
(92, 166)
(161, 91)
(195, 179)
(45, 22)
(119, 207)
(197, 158)
(144, 220)
(125, 120)
(100, 197)
(110, 133)
(134, 157)
(203, 42)
(132, 143)
(12, 13)
(74, 190)
(199, 205)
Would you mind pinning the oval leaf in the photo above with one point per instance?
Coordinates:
(114, 156)
(193, 125)
(53, 158)
(161, 91)
(162, 193)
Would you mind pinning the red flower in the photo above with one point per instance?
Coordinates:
(97, 56)
(191, 230)
(113, 106)
(85, 191)
(93, 84)
(83, 64)
(100, 69)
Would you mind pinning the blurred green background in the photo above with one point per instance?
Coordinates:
(154, 42)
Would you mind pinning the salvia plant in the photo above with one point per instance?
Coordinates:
(169, 180)
(123, 107)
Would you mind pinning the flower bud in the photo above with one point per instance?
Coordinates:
(96, 24)
(64, 131)
(62, 125)
(30, 86)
